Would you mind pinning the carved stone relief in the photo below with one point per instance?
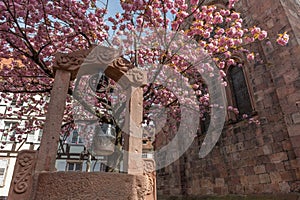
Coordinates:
(23, 175)
(93, 60)
(70, 61)
(134, 77)
(150, 176)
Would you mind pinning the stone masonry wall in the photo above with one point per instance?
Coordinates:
(251, 159)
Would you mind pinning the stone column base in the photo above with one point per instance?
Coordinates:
(93, 185)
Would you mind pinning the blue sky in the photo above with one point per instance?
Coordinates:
(114, 7)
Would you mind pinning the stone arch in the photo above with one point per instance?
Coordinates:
(90, 61)
(109, 61)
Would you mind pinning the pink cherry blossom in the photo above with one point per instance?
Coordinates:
(283, 39)
(262, 35)
(34, 32)
(250, 56)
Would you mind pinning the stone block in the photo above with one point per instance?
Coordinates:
(262, 160)
(259, 169)
(279, 135)
(292, 98)
(287, 145)
(271, 188)
(295, 187)
(220, 190)
(275, 177)
(253, 179)
(296, 118)
(267, 149)
(295, 163)
(249, 170)
(291, 155)
(93, 185)
(291, 76)
(278, 157)
(270, 167)
(244, 180)
(297, 152)
(264, 178)
(240, 172)
(205, 182)
(253, 189)
(277, 147)
(297, 171)
(295, 141)
(219, 182)
(287, 176)
(284, 187)
(270, 23)
(280, 167)
(260, 140)
(236, 156)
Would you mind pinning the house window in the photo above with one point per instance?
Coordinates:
(3, 167)
(74, 166)
(102, 167)
(40, 135)
(9, 131)
(241, 97)
(75, 139)
(2, 170)
(13, 102)
(30, 137)
(98, 166)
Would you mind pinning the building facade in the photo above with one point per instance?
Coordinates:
(250, 158)
(71, 153)
(9, 148)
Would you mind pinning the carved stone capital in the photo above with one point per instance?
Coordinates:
(118, 68)
(134, 77)
(70, 61)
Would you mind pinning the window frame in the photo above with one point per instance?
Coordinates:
(79, 140)
(7, 133)
(4, 163)
(230, 93)
(75, 163)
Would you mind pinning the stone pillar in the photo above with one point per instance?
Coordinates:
(133, 134)
(132, 82)
(66, 67)
(52, 128)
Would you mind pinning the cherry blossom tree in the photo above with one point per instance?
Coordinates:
(33, 31)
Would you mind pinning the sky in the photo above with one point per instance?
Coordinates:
(114, 7)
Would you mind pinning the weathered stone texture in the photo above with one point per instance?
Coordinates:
(250, 159)
(21, 184)
(81, 185)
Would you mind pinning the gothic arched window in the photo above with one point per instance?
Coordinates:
(241, 98)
